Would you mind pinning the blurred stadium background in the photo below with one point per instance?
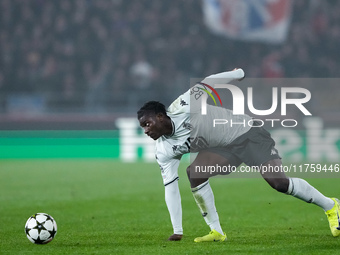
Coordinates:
(73, 73)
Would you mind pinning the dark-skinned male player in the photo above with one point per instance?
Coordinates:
(183, 129)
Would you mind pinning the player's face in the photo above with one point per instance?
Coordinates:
(153, 125)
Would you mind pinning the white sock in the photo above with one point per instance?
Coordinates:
(303, 190)
(205, 201)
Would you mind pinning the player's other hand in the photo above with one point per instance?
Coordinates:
(175, 237)
(243, 72)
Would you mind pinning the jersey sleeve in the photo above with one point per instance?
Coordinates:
(173, 202)
(223, 78)
(169, 169)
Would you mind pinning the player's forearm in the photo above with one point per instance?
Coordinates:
(225, 77)
(173, 202)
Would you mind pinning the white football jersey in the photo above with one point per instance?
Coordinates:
(193, 131)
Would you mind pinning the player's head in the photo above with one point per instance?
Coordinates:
(154, 120)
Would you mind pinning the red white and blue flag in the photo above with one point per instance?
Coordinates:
(250, 20)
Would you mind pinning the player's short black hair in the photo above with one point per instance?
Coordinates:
(153, 107)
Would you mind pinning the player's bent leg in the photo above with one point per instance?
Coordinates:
(272, 173)
(207, 164)
(301, 189)
(204, 198)
(203, 193)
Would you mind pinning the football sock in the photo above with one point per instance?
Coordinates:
(204, 198)
(303, 190)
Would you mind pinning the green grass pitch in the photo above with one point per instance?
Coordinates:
(107, 207)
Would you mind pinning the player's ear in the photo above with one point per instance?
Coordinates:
(160, 116)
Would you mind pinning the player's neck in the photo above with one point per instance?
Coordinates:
(169, 127)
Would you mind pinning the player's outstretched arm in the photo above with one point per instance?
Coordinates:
(173, 202)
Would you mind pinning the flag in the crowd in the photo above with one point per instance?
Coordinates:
(251, 20)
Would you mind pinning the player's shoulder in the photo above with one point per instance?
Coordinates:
(180, 105)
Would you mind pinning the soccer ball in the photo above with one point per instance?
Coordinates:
(41, 228)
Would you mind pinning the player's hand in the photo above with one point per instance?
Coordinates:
(175, 237)
(242, 77)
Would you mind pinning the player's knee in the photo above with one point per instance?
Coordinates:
(281, 185)
(195, 179)
(191, 180)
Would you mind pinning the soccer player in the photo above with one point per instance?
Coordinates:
(183, 129)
